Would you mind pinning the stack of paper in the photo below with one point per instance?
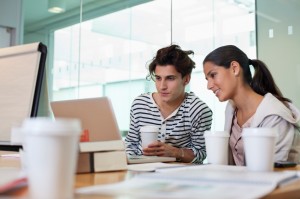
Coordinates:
(203, 181)
(101, 156)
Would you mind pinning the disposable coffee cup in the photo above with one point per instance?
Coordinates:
(259, 147)
(216, 143)
(51, 150)
(149, 134)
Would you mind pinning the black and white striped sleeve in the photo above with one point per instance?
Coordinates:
(201, 120)
(132, 139)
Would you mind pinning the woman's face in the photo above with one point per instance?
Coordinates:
(220, 80)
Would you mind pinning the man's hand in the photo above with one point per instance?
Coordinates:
(160, 149)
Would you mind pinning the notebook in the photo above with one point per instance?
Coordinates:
(98, 119)
(138, 159)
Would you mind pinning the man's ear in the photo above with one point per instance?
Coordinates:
(187, 79)
(235, 68)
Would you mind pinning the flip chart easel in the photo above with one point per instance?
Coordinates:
(21, 74)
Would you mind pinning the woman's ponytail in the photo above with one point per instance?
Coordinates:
(263, 82)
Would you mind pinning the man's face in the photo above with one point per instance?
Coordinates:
(169, 83)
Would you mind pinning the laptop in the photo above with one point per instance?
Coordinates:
(96, 115)
(98, 119)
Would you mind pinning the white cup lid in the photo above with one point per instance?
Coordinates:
(149, 129)
(263, 132)
(48, 126)
(216, 133)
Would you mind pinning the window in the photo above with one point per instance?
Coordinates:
(108, 55)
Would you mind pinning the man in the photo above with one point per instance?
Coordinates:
(182, 117)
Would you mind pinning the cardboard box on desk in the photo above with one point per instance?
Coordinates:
(101, 156)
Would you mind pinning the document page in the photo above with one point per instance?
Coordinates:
(207, 181)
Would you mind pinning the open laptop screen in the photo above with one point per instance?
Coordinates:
(96, 115)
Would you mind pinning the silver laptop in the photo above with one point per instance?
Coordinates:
(98, 118)
(96, 115)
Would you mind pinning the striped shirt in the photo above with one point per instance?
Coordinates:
(184, 128)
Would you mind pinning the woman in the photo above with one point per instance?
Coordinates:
(253, 102)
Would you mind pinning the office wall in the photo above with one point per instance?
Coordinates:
(278, 43)
(11, 15)
(5, 37)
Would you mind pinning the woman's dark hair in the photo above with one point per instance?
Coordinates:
(262, 81)
(172, 55)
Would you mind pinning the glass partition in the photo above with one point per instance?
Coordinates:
(279, 43)
(101, 48)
